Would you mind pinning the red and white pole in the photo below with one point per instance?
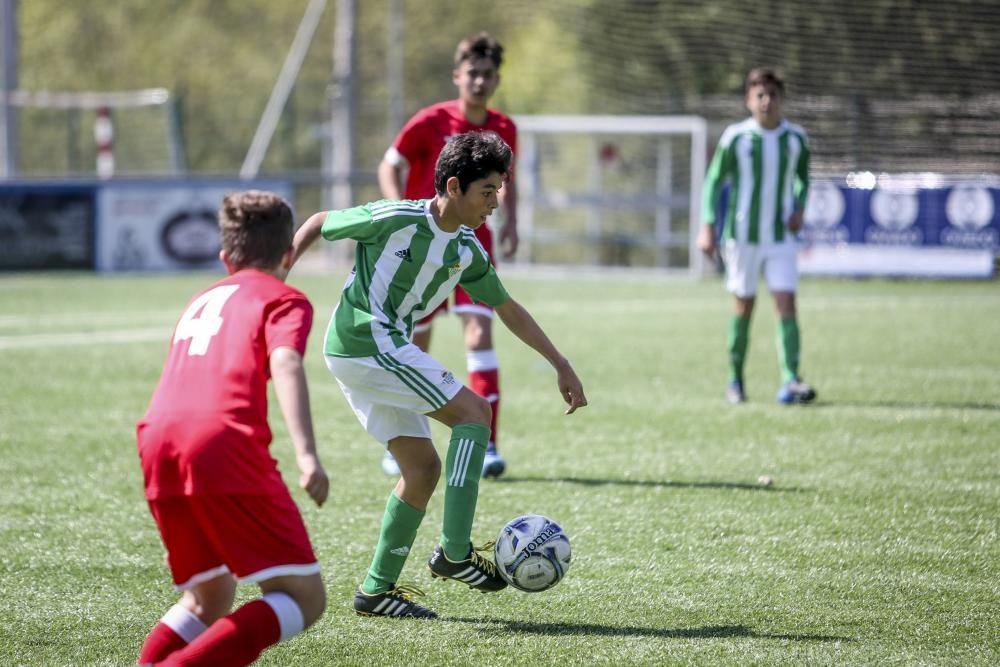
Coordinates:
(104, 135)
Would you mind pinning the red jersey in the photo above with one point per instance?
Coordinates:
(206, 429)
(422, 138)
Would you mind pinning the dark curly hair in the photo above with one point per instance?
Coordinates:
(470, 157)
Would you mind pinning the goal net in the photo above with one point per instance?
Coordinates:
(610, 190)
(139, 131)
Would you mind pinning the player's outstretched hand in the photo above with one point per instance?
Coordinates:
(706, 241)
(571, 389)
(509, 240)
(794, 223)
(313, 479)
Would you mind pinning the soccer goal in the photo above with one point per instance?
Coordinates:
(611, 190)
(122, 133)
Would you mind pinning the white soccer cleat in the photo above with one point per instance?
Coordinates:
(493, 463)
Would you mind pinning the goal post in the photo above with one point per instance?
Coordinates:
(611, 190)
(141, 126)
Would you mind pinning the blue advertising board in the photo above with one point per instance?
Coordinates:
(901, 229)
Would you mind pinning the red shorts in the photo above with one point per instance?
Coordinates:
(463, 302)
(252, 537)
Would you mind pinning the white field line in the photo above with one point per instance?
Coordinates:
(85, 338)
(133, 317)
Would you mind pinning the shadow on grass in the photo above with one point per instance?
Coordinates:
(706, 632)
(586, 481)
(904, 405)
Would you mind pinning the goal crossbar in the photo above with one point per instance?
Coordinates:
(85, 99)
(531, 127)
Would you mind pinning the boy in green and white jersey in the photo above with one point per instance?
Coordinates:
(410, 256)
(765, 158)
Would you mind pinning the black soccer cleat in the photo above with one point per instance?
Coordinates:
(396, 602)
(478, 572)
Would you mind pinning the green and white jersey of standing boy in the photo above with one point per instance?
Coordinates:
(405, 266)
(768, 170)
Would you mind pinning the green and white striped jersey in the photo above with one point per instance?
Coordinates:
(404, 267)
(768, 171)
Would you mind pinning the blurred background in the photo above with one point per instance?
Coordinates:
(900, 96)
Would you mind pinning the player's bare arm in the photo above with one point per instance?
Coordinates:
(520, 322)
(390, 180)
(509, 239)
(307, 235)
(292, 391)
(706, 240)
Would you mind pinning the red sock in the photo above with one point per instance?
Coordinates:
(161, 642)
(487, 385)
(234, 640)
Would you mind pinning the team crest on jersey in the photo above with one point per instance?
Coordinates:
(447, 377)
(454, 268)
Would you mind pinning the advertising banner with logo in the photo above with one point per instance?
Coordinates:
(46, 226)
(901, 230)
(168, 226)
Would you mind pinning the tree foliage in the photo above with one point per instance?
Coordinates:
(220, 58)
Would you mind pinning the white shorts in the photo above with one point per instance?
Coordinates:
(391, 392)
(744, 262)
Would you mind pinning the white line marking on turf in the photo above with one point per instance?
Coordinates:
(87, 338)
(126, 317)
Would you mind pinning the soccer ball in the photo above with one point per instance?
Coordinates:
(532, 553)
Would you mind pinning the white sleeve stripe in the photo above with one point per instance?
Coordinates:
(395, 158)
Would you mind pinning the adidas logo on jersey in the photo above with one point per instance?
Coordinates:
(404, 254)
(400, 551)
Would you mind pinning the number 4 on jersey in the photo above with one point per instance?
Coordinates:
(202, 319)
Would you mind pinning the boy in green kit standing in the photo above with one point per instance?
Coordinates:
(765, 159)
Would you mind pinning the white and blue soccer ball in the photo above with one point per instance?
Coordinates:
(532, 553)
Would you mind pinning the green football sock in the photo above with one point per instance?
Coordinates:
(463, 467)
(399, 529)
(788, 348)
(739, 335)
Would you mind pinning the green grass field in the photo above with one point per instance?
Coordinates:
(876, 544)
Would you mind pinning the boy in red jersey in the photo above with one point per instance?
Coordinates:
(416, 148)
(221, 507)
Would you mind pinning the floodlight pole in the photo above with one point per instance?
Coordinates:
(8, 70)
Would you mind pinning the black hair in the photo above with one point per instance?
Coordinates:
(480, 45)
(470, 157)
(762, 76)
